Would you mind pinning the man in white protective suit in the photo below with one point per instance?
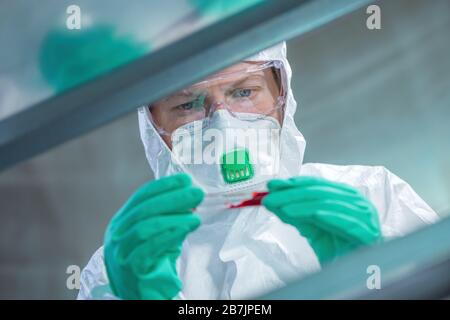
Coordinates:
(179, 236)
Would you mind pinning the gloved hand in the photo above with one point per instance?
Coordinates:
(143, 240)
(335, 218)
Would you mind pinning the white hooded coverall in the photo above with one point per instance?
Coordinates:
(246, 252)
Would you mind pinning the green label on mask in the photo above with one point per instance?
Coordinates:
(236, 166)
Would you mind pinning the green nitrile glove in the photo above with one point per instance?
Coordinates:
(334, 217)
(222, 7)
(143, 240)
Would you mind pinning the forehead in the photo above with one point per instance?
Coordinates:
(232, 73)
(238, 67)
(236, 72)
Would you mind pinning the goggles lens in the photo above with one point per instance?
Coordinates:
(248, 87)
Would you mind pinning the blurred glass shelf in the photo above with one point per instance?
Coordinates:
(126, 60)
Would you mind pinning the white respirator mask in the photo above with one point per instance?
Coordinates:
(228, 154)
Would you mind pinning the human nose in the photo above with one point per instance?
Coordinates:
(218, 106)
(217, 100)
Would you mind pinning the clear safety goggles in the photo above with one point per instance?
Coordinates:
(256, 88)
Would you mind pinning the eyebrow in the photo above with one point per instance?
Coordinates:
(261, 76)
(188, 93)
(183, 93)
(241, 80)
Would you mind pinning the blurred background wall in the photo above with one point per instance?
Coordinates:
(379, 97)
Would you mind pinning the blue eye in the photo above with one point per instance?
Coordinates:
(242, 93)
(186, 106)
(196, 104)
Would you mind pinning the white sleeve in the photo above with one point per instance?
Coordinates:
(94, 282)
(400, 208)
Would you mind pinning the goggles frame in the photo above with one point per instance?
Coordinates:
(279, 74)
